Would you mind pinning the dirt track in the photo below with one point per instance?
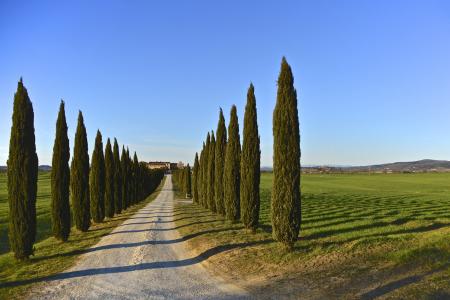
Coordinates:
(144, 258)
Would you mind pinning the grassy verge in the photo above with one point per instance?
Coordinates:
(52, 256)
(363, 236)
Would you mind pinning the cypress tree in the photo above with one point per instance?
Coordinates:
(211, 162)
(195, 176)
(129, 179)
(123, 164)
(200, 175)
(250, 165)
(60, 179)
(22, 176)
(117, 179)
(109, 181)
(135, 177)
(188, 181)
(97, 181)
(205, 172)
(79, 178)
(182, 179)
(286, 206)
(232, 169)
(219, 153)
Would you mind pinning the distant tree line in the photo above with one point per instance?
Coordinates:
(84, 193)
(226, 176)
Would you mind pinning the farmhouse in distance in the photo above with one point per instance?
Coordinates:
(164, 165)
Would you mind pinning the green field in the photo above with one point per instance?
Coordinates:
(42, 209)
(51, 256)
(362, 236)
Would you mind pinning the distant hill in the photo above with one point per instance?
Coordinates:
(425, 165)
(45, 168)
(266, 169)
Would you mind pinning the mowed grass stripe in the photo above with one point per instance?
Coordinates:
(349, 222)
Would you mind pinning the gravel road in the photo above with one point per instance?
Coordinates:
(144, 258)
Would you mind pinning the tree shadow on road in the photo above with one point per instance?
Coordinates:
(137, 244)
(164, 229)
(139, 267)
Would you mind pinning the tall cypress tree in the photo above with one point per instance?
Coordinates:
(205, 172)
(221, 144)
(109, 181)
(200, 175)
(123, 164)
(188, 180)
(22, 176)
(79, 178)
(60, 179)
(97, 181)
(250, 165)
(129, 179)
(135, 177)
(117, 179)
(195, 172)
(211, 162)
(286, 206)
(232, 169)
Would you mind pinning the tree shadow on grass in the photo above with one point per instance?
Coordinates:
(325, 243)
(392, 286)
(333, 232)
(143, 266)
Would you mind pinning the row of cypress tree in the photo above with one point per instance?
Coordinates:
(105, 187)
(183, 180)
(226, 178)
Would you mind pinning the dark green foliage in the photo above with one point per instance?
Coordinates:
(205, 172)
(22, 176)
(200, 175)
(79, 178)
(109, 181)
(117, 179)
(219, 154)
(187, 181)
(250, 165)
(195, 175)
(129, 179)
(179, 180)
(286, 206)
(211, 173)
(125, 178)
(97, 181)
(60, 179)
(136, 175)
(232, 169)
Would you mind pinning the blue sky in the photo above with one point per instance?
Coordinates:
(373, 77)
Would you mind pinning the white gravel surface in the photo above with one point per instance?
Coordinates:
(144, 258)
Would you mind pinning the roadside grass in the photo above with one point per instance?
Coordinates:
(52, 256)
(362, 235)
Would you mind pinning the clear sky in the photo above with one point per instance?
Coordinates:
(373, 77)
